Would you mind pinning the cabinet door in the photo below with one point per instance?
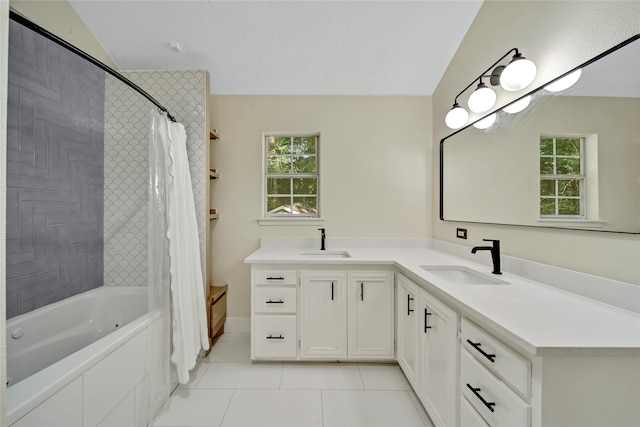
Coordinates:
(438, 363)
(323, 315)
(408, 325)
(370, 313)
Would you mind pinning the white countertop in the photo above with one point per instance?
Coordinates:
(538, 319)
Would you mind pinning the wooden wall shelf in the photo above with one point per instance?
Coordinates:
(213, 134)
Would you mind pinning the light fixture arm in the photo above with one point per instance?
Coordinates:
(485, 71)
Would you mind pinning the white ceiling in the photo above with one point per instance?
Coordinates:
(288, 47)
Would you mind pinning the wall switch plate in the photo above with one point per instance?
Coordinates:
(461, 233)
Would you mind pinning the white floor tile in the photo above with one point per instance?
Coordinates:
(194, 408)
(328, 376)
(235, 337)
(276, 408)
(195, 374)
(383, 377)
(230, 352)
(353, 408)
(241, 375)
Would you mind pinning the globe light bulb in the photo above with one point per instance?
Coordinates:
(518, 74)
(518, 106)
(456, 117)
(486, 122)
(482, 99)
(564, 83)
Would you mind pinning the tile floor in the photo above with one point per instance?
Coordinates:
(227, 390)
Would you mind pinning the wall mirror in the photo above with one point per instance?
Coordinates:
(570, 160)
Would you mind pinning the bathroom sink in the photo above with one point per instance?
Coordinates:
(462, 275)
(319, 253)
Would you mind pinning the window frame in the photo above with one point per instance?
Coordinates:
(581, 178)
(290, 218)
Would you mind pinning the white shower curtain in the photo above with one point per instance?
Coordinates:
(190, 333)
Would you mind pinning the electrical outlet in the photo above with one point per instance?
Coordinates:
(461, 233)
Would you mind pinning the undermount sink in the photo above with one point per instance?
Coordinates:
(462, 275)
(318, 252)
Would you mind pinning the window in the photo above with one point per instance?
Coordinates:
(562, 178)
(291, 176)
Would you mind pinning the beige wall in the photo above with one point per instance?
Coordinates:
(62, 20)
(374, 165)
(558, 36)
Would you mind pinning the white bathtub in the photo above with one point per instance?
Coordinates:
(53, 348)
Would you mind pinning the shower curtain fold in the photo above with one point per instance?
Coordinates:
(190, 333)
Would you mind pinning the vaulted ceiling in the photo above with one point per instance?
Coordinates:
(287, 47)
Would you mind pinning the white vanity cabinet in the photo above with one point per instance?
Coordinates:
(438, 359)
(495, 380)
(428, 350)
(370, 315)
(323, 314)
(274, 319)
(407, 325)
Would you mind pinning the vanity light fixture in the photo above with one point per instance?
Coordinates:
(565, 82)
(515, 76)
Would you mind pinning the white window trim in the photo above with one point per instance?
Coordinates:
(589, 179)
(293, 220)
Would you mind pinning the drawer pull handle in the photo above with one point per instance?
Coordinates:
(409, 309)
(275, 278)
(476, 391)
(426, 326)
(275, 302)
(361, 291)
(477, 345)
(271, 337)
(331, 291)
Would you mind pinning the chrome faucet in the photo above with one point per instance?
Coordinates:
(495, 253)
(322, 238)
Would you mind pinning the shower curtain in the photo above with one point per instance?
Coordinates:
(172, 183)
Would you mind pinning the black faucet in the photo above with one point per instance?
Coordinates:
(495, 253)
(322, 238)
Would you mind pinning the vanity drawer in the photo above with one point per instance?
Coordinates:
(492, 398)
(275, 277)
(469, 417)
(497, 357)
(274, 337)
(274, 300)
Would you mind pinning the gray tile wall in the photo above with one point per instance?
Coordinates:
(55, 123)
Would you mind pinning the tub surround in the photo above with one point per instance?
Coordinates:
(537, 318)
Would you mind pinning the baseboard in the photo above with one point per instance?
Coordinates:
(238, 324)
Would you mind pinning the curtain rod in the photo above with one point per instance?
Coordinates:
(38, 29)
